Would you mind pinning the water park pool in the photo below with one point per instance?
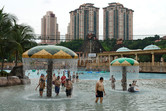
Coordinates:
(151, 96)
(95, 75)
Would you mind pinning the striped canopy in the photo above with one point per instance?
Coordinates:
(124, 62)
(50, 52)
(151, 47)
(123, 49)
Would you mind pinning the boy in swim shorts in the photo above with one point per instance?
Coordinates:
(41, 84)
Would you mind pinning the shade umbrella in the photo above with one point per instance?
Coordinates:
(49, 57)
(124, 65)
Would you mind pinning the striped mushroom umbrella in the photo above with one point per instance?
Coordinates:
(124, 65)
(55, 57)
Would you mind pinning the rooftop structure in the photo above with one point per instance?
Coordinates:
(123, 49)
(151, 47)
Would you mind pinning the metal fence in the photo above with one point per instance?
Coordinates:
(38, 37)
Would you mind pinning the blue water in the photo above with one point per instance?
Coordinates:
(106, 76)
(93, 75)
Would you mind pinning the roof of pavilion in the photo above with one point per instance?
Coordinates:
(122, 49)
(151, 47)
(133, 52)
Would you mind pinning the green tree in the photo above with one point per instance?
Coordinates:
(108, 44)
(145, 58)
(74, 45)
(6, 22)
(161, 44)
(21, 39)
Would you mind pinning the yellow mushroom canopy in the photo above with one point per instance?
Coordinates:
(50, 52)
(124, 62)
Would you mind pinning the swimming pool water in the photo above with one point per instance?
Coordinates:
(24, 97)
(151, 96)
(93, 75)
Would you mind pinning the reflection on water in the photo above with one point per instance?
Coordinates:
(24, 98)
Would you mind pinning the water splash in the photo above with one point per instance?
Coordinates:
(132, 71)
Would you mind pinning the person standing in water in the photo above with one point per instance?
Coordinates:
(54, 78)
(57, 85)
(134, 83)
(113, 82)
(100, 90)
(69, 77)
(63, 79)
(68, 73)
(38, 72)
(41, 84)
(69, 87)
(74, 76)
(77, 77)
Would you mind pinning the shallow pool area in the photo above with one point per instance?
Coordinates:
(95, 75)
(151, 97)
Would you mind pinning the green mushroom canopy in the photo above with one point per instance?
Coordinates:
(124, 68)
(38, 57)
(131, 65)
(124, 62)
(50, 52)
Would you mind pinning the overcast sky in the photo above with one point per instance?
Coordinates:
(149, 15)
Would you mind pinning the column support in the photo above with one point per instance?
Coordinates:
(152, 59)
(136, 57)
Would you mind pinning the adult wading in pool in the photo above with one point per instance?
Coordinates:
(57, 85)
(100, 90)
(113, 80)
(69, 87)
(63, 79)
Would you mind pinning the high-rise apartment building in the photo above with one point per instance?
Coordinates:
(83, 20)
(117, 22)
(49, 29)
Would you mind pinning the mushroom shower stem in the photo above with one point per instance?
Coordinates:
(49, 78)
(124, 80)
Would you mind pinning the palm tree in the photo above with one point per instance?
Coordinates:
(6, 22)
(21, 38)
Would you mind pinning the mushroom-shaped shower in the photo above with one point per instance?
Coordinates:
(125, 66)
(49, 57)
